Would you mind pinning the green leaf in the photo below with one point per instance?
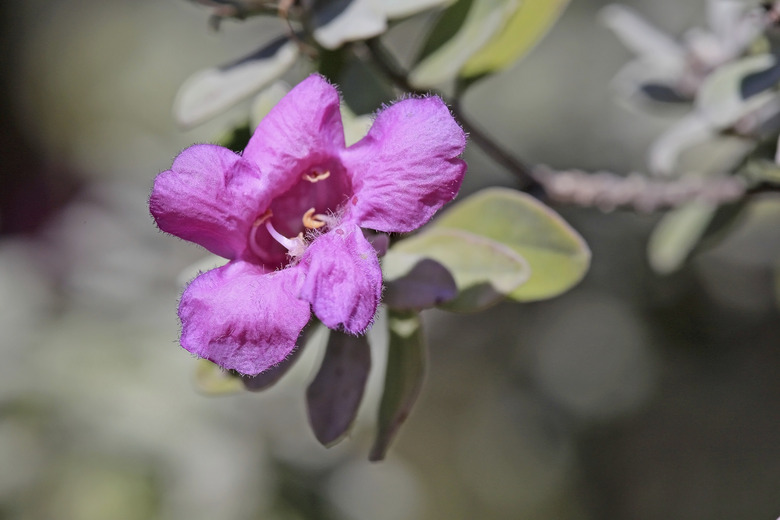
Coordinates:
(447, 25)
(758, 170)
(213, 380)
(406, 361)
(677, 234)
(557, 254)
(484, 19)
(212, 91)
(485, 271)
(526, 26)
(362, 87)
(333, 397)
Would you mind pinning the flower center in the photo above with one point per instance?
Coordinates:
(295, 214)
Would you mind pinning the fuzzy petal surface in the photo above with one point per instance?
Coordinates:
(407, 167)
(210, 196)
(343, 279)
(240, 318)
(303, 131)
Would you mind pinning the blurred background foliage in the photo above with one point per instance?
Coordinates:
(633, 396)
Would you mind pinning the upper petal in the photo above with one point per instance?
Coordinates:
(407, 167)
(210, 196)
(302, 131)
(242, 319)
(343, 279)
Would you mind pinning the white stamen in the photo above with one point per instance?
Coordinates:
(295, 246)
(286, 242)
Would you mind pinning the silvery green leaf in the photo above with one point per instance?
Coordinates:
(526, 26)
(265, 101)
(210, 92)
(402, 8)
(333, 397)
(724, 97)
(483, 20)
(642, 38)
(642, 81)
(665, 151)
(485, 271)
(557, 255)
(340, 21)
(677, 234)
(406, 362)
(723, 15)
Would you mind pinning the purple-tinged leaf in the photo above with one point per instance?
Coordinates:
(406, 360)
(425, 285)
(334, 396)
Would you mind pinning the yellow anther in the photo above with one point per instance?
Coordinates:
(312, 221)
(262, 218)
(316, 176)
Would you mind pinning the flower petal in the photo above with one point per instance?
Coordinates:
(210, 196)
(302, 131)
(242, 319)
(407, 167)
(343, 279)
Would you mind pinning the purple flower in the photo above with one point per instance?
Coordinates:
(288, 214)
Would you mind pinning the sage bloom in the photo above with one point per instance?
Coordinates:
(288, 213)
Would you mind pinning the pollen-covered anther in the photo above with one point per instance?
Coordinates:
(312, 221)
(315, 176)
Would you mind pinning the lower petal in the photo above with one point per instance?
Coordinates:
(343, 279)
(241, 318)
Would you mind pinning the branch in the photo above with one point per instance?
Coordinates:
(609, 191)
